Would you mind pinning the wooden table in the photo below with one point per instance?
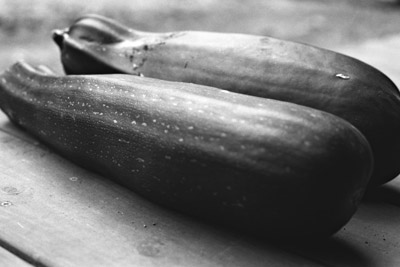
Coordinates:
(54, 213)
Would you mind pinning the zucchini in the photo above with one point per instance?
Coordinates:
(257, 165)
(253, 65)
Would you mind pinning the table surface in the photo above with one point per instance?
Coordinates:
(54, 213)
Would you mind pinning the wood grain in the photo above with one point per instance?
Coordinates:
(54, 213)
(9, 259)
(61, 215)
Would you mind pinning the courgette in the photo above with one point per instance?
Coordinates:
(257, 165)
(253, 65)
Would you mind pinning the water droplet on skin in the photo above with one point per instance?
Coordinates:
(342, 76)
(123, 141)
(73, 179)
(5, 203)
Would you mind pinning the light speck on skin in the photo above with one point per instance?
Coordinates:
(168, 157)
(115, 121)
(5, 203)
(180, 139)
(133, 122)
(342, 76)
(307, 143)
(73, 179)
(144, 124)
(190, 128)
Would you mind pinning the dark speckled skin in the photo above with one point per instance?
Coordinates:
(254, 65)
(273, 168)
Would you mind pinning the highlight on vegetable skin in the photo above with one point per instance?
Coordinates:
(256, 165)
(254, 65)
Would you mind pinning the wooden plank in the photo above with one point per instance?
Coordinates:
(58, 214)
(370, 239)
(8, 259)
(61, 215)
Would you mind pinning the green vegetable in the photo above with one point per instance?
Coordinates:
(263, 166)
(253, 65)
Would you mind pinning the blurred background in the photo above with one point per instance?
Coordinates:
(367, 29)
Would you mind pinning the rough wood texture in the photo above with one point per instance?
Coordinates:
(9, 259)
(57, 214)
(54, 213)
